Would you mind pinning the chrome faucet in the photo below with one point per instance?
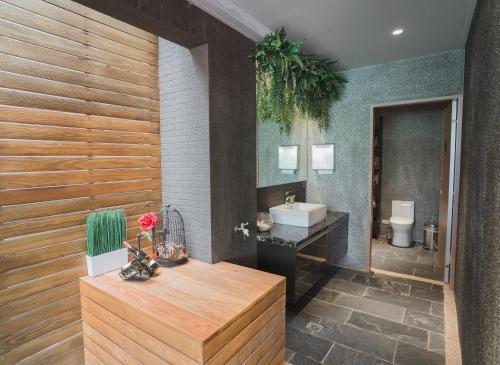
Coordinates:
(243, 228)
(290, 197)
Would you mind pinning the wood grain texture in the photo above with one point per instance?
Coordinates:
(22, 66)
(55, 12)
(39, 53)
(79, 130)
(233, 177)
(76, 32)
(177, 317)
(141, 337)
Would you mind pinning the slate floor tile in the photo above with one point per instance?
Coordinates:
(411, 261)
(424, 321)
(433, 295)
(306, 345)
(380, 246)
(437, 287)
(395, 265)
(381, 283)
(402, 254)
(300, 359)
(376, 308)
(326, 295)
(331, 311)
(370, 343)
(398, 331)
(346, 275)
(378, 261)
(436, 343)
(419, 284)
(329, 330)
(424, 267)
(366, 319)
(428, 274)
(299, 274)
(437, 309)
(327, 271)
(288, 354)
(427, 259)
(314, 278)
(303, 321)
(348, 287)
(302, 288)
(341, 355)
(413, 303)
(411, 355)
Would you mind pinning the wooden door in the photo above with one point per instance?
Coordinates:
(444, 187)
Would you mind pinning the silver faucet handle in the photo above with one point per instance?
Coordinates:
(243, 228)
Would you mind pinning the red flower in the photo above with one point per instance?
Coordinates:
(148, 221)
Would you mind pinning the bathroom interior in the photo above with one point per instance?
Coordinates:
(282, 183)
(412, 145)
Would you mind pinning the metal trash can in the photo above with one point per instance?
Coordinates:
(431, 236)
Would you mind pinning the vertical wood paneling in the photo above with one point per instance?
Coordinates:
(79, 132)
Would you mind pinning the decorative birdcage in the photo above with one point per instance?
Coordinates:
(169, 240)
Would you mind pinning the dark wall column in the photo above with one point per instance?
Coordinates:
(477, 289)
(233, 167)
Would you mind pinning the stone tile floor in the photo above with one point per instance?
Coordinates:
(415, 260)
(348, 318)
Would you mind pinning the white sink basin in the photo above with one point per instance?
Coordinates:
(298, 214)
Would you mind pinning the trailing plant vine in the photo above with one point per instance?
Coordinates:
(291, 83)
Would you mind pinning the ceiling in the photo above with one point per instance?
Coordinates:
(355, 32)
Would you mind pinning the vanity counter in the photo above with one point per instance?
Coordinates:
(293, 236)
(280, 249)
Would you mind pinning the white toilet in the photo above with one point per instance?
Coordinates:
(402, 219)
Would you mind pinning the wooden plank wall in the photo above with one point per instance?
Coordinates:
(79, 131)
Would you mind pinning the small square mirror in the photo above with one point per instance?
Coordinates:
(323, 158)
(288, 159)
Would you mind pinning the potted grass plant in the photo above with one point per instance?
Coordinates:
(106, 232)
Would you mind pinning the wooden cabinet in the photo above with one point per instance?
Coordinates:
(195, 313)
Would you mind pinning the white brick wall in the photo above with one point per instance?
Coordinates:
(185, 154)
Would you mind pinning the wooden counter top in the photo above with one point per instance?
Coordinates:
(188, 314)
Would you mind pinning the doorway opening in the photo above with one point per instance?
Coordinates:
(413, 168)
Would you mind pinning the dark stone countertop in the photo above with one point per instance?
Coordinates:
(283, 234)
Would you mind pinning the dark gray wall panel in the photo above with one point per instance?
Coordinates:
(477, 288)
(233, 154)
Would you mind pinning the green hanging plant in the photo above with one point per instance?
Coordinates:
(292, 84)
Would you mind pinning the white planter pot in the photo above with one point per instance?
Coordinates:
(107, 262)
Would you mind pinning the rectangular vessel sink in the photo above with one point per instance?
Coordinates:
(298, 214)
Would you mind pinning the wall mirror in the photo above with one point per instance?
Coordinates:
(306, 137)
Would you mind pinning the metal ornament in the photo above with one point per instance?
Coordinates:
(142, 263)
(169, 241)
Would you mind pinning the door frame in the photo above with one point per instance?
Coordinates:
(453, 243)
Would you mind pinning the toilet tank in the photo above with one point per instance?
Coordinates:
(403, 209)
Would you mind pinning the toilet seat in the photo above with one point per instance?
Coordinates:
(401, 220)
